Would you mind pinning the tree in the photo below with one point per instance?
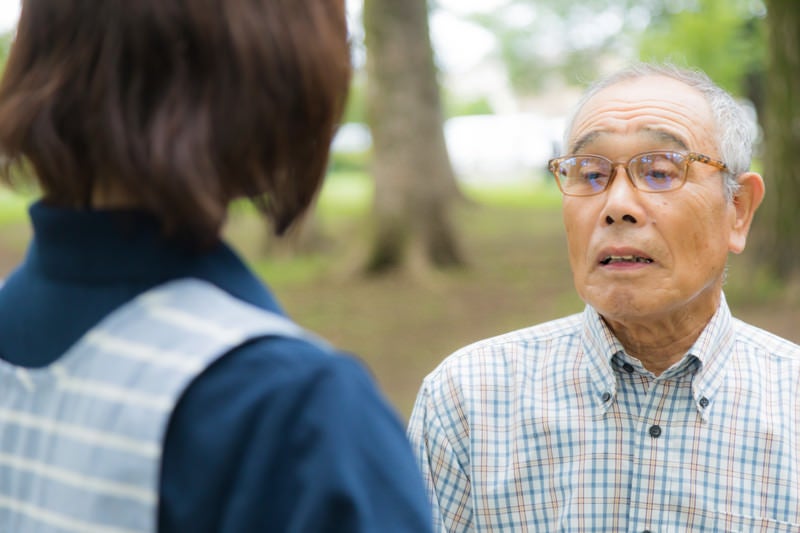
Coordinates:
(778, 235)
(414, 180)
(563, 41)
(544, 40)
(5, 46)
(737, 58)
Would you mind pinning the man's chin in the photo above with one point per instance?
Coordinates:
(623, 305)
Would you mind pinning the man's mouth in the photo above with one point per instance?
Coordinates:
(625, 259)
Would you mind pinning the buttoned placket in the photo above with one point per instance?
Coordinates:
(651, 435)
(663, 414)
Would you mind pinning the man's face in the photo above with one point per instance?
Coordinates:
(681, 238)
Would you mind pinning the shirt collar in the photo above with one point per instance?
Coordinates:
(600, 345)
(125, 248)
(712, 349)
(104, 246)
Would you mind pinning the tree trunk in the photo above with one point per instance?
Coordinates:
(777, 232)
(414, 180)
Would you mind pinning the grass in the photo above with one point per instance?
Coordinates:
(13, 207)
(517, 275)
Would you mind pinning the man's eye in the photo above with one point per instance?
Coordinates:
(594, 176)
(657, 175)
(660, 179)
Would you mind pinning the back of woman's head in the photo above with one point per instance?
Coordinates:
(177, 106)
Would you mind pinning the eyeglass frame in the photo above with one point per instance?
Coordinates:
(689, 158)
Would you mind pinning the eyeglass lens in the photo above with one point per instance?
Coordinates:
(655, 172)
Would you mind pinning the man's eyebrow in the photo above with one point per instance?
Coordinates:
(667, 137)
(583, 141)
(657, 134)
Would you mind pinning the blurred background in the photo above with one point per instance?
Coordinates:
(438, 224)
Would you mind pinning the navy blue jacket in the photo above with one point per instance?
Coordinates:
(275, 436)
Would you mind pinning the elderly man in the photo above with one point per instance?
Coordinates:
(654, 409)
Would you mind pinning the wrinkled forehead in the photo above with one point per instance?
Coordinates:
(650, 107)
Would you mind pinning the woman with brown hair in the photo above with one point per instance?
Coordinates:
(149, 381)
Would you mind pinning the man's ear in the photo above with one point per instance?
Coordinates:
(745, 201)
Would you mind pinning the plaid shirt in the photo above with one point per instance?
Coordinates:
(554, 428)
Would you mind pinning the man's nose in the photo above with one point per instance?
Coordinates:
(623, 201)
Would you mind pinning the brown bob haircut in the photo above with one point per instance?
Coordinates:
(180, 106)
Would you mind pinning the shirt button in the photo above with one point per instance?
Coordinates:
(606, 396)
(655, 431)
(627, 367)
(704, 402)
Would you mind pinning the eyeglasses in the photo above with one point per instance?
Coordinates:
(660, 171)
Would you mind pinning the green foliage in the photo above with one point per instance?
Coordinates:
(725, 38)
(5, 47)
(517, 49)
(543, 195)
(458, 107)
(345, 193)
(13, 207)
(539, 40)
(750, 282)
(350, 161)
(291, 270)
(355, 109)
(348, 193)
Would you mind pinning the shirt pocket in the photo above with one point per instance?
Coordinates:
(747, 524)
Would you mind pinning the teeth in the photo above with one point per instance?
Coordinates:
(625, 259)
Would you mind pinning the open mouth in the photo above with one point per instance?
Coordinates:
(625, 259)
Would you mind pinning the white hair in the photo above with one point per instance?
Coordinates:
(735, 131)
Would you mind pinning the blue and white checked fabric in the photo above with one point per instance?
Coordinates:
(554, 428)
